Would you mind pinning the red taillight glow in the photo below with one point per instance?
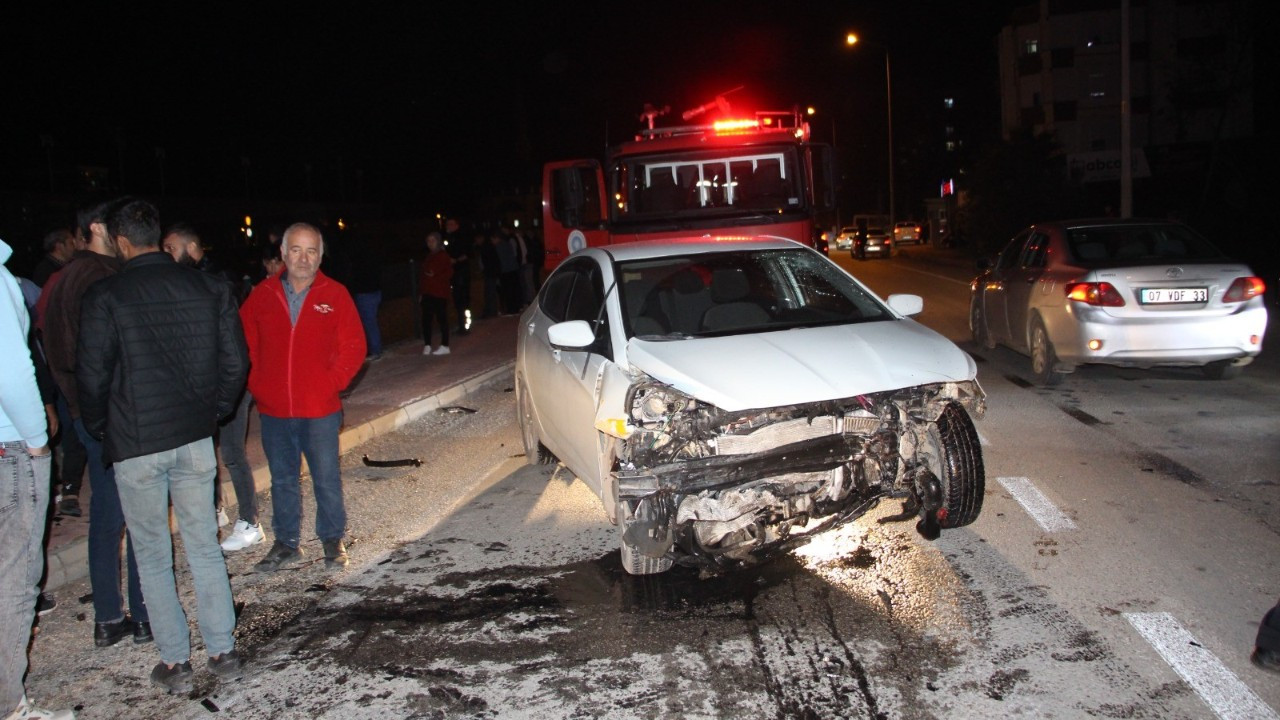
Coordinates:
(1245, 288)
(1093, 293)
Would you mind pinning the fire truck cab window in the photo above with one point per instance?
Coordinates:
(763, 180)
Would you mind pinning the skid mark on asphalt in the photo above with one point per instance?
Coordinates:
(1220, 689)
(1038, 506)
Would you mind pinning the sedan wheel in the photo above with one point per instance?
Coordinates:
(959, 466)
(1043, 357)
(535, 452)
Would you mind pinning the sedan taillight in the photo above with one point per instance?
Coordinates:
(1102, 294)
(1245, 288)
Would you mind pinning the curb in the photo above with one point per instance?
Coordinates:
(71, 561)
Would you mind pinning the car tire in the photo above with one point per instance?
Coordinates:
(635, 562)
(1222, 370)
(959, 467)
(535, 452)
(1043, 358)
(978, 327)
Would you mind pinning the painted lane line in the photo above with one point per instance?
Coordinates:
(1039, 507)
(1220, 689)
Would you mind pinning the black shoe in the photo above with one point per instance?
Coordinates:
(279, 556)
(335, 554)
(106, 634)
(142, 633)
(1266, 659)
(45, 603)
(227, 665)
(176, 679)
(69, 506)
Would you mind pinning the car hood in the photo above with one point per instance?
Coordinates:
(805, 365)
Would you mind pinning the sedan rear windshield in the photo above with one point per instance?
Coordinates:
(1137, 244)
(728, 293)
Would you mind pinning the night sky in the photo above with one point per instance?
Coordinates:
(418, 104)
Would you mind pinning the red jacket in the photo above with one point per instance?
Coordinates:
(297, 371)
(434, 274)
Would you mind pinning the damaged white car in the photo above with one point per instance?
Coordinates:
(728, 399)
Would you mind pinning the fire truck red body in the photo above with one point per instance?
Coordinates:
(757, 175)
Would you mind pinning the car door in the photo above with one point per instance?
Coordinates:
(1020, 287)
(995, 290)
(564, 383)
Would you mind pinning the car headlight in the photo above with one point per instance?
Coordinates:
(651, 403)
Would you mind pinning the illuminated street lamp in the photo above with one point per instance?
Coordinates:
(852, 39)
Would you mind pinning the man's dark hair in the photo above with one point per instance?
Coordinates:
(91, 214)
(137, 221)
(55, 237)
(187, 231)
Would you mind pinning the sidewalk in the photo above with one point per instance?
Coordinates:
(386, 394)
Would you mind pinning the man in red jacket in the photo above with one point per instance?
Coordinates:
(306, 343)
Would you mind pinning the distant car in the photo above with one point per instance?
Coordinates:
(703, 390)
(906, 232)
(875, 241)
(1132, 293)
(844, 240)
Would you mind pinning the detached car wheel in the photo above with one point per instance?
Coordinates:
(960, 468)
(1043, 358)
(535, 452)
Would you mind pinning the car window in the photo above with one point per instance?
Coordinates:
(1135, 244)
(586, 302)
(725, 293)
(554, 298)
(1009, 256)
(1034, 255)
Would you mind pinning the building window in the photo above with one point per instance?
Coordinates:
(948, 103)
(951, 146)
(1030, 47)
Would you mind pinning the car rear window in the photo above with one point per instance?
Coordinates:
(1131, 244)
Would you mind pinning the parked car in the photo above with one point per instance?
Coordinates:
(875, 241)
(844, 240)
(906, 232)
(728, 399)
(1132, 293)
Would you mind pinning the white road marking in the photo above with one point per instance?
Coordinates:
(1036, 504)
(1221, 690)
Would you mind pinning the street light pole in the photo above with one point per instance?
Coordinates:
(852, 39)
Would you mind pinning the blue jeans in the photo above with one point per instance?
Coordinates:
(24, 502)
(183, 476)
(106, 524)
(367, 305)
(231, 437)
(285, 441)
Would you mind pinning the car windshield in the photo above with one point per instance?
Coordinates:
(1138, 244)
(729, 293)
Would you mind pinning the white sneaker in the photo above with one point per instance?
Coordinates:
(27, 711)
(442, 350)
(242, 536)
(426, 349)
(223, 520)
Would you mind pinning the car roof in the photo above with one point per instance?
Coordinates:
(1104, 222)
(645, 249)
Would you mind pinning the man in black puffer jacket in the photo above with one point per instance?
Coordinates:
(161, 357)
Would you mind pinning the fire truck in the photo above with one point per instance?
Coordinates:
(735, 174)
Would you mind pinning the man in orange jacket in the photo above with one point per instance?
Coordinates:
(306, 343)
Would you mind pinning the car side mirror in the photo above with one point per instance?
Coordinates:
(906, 305)
(571, 335)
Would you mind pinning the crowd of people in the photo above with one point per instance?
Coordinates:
(131, 351)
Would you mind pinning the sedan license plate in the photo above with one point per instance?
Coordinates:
(1156, 296)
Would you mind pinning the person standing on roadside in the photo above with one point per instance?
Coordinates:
(24, 476)
(306, 344)
(434, 275)
(162, 359)
(61, 321)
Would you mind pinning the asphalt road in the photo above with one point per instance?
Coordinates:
(1126, 550)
